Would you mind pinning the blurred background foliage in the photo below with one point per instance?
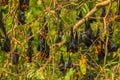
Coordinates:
(49, 69)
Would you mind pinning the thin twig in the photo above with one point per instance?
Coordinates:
(105, 30)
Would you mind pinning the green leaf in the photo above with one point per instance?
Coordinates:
(69, 74)
(111, 63)
(63, 48)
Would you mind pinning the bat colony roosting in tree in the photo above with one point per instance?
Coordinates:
(87, 37)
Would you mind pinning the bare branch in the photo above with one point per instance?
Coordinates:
(97, 6)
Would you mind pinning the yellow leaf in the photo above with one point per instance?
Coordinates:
(114, 54)
(82, 67)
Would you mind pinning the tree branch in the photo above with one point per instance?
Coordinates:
(97, 6)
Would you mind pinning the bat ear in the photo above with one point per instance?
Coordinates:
(69, 63)
(61, 64)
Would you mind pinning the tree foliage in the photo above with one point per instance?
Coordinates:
(59, 39)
